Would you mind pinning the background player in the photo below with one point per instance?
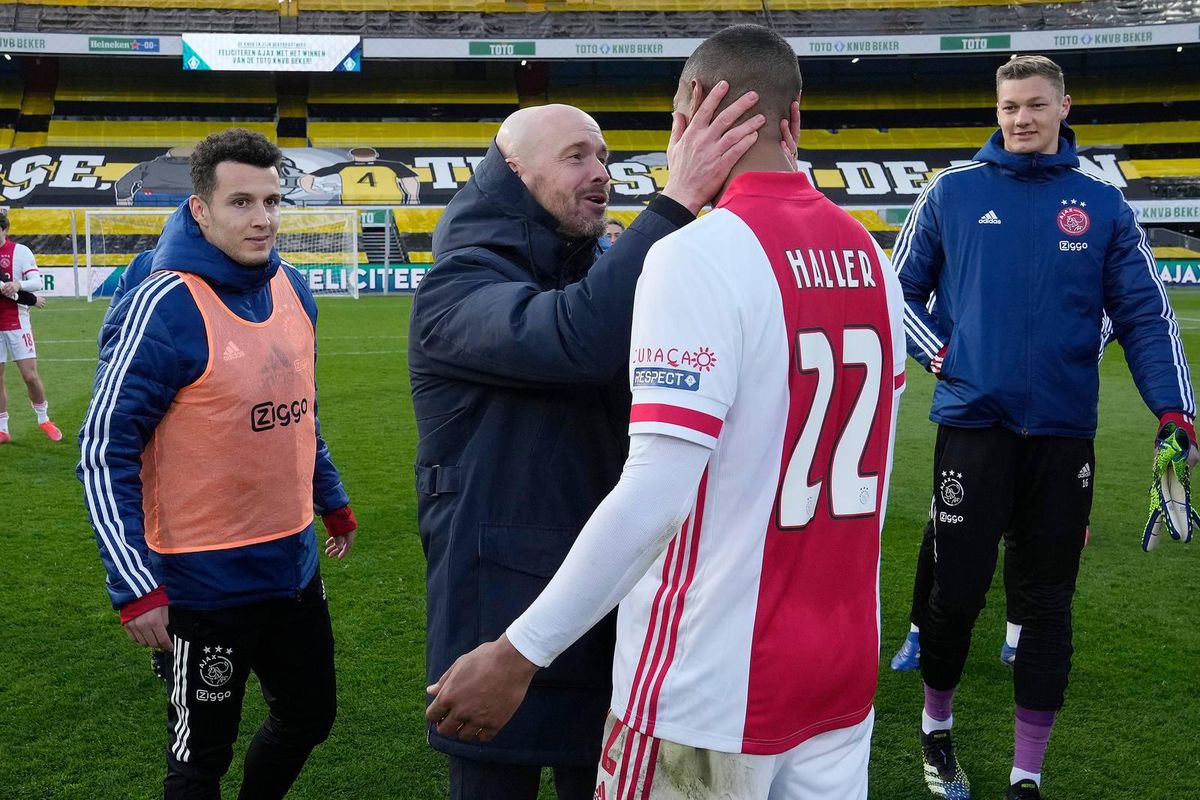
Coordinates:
(766, 354)
(1014, 349)
(19, 273)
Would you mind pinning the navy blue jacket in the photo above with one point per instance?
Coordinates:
(138, 270)
(518, 351)
(154, 343)
(1025, 253)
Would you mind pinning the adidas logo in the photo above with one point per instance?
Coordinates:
(1086, 472)
(232, 351)
(989, 218)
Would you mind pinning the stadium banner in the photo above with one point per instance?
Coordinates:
(83, 44)
(369, 176)
(1179, 272)
(810, 46)
(58, 281)
(1167, 211)
(372, 279)
(263, 52)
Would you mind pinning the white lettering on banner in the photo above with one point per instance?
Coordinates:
(908, 176)
(1183, 274)
(815, 274)
(26, 174)
(76, 172)
(631, 178)
(864, 177)
(1105, 167)
(442, 168)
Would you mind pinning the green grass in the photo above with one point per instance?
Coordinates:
(81, 716)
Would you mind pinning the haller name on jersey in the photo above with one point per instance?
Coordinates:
(831, 269)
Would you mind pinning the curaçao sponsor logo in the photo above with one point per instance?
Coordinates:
(702, 359)
(663, 378)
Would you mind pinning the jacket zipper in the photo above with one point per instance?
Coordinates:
(1032, 262)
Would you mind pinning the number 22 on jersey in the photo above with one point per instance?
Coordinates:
(828, 454)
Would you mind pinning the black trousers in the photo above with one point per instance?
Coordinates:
(1039, 489)
(486, 780)
(923, 580)
(288, 644)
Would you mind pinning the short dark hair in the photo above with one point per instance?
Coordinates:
(1018, 68)
(3, 220)
(749, 57)
(615, 221)
(235, 144)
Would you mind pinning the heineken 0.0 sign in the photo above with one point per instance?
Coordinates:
(255, 52)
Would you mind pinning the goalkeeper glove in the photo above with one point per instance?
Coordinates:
(1170, 489)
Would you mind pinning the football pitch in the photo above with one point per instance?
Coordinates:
(82, 715)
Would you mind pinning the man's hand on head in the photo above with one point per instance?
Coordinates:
(704, 149)
(480, 692)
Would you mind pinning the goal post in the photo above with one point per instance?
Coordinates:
(322, 244)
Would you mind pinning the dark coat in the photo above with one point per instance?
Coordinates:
(518, 350)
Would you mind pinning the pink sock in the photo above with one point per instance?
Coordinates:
(939, 703)
(1032, 736)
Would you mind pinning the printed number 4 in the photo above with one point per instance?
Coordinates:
(850, 494)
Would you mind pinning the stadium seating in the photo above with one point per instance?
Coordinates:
(11, 93)
(388, 113)
(156, 107)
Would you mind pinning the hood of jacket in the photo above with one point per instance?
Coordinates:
(495, 211)
(183, 247)
(1031, 165)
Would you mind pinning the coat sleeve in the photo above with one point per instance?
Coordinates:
(137, 271)
(136, 379)
(918, 260)
(329, 494)
(474, 322)
(1143, 320)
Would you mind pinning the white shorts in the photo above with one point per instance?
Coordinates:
(829, 765)
(16, 345)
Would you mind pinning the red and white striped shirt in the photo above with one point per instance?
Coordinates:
(16, 264)
(771, 332)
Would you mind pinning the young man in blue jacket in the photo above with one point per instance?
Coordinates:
(519, 340)
(202, 461)
(1025, 251)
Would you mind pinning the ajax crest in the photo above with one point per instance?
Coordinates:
(1073, 220)
(950, 489)
(215, 668)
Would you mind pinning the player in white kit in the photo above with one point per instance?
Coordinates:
(742, 541)
(19, 273)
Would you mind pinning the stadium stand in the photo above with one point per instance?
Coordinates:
(580, 18)
(157, 106)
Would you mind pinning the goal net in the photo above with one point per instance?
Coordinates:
(322, 244)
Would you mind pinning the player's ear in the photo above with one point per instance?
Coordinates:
(1066, 107)
(199, 210)
(514, 164)
(696, 94)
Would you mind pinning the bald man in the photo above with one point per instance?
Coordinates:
(518, 347)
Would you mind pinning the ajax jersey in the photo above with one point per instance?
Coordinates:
(771, 332)
(16, 264)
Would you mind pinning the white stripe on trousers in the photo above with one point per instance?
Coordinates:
(179, 748)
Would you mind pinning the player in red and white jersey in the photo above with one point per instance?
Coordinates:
(742, 540)
(19, 273)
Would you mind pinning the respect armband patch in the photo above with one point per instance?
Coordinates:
(682, 379)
